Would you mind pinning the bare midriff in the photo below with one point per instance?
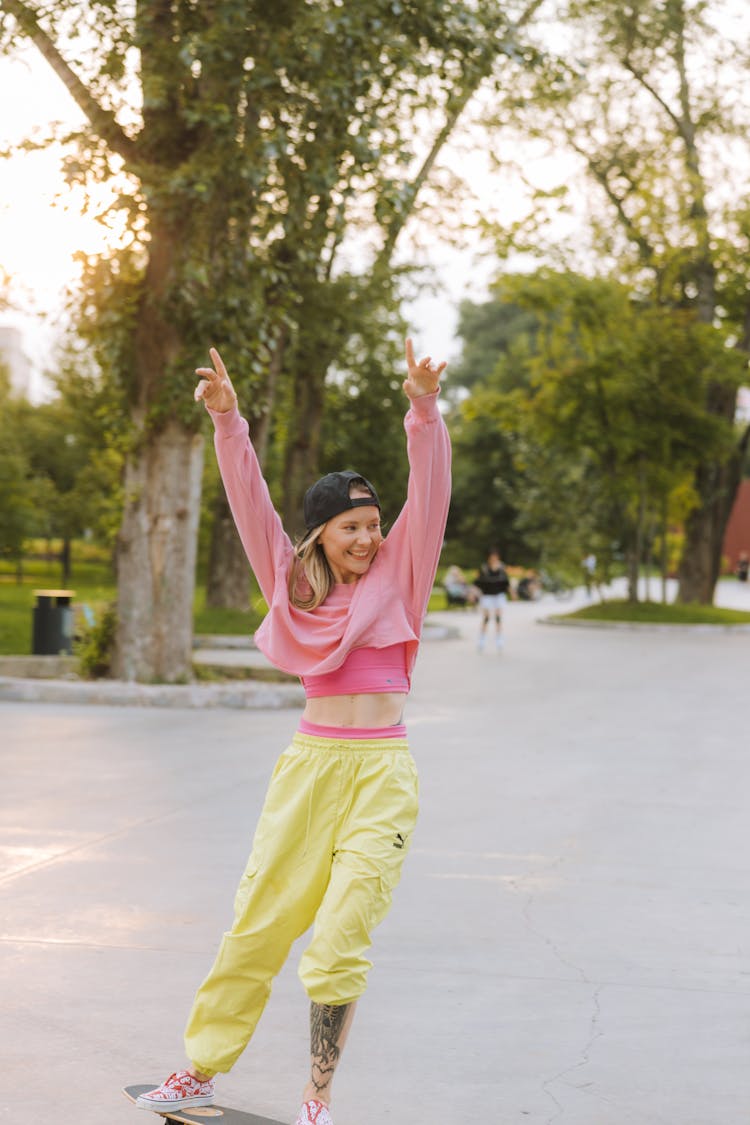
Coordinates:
(377, 709)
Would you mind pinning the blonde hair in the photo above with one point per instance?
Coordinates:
(310, 569)
(310, 577)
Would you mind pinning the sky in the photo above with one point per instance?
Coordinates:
(41, 221)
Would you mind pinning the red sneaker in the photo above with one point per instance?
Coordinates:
(180, 1091)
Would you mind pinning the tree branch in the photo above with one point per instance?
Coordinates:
(102, 121)
(457, 106)
(641, 78)
(600, 175)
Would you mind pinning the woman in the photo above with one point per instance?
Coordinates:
(493, 583)
(346, 608)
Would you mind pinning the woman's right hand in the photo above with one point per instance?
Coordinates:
(214, 385)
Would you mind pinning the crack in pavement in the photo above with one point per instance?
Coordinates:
(595, 1033)
(594, 1030)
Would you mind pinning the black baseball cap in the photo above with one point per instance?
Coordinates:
(329, 496)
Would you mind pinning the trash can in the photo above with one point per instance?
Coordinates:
(53, 622)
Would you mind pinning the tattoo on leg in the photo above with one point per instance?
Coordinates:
(326, 1024)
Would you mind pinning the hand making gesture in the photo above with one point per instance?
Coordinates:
(215, 387)
(422, 378)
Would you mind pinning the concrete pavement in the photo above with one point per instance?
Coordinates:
(568, 944)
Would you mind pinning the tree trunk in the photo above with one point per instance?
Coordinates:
(716, 484)
(634, 554)
(157, 544)
(65, 562)
(303, 448)
(228, 583)
(664, 560)
(700, 565)
(156, 556)
(632, 569)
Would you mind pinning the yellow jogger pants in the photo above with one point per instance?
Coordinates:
(328, 849)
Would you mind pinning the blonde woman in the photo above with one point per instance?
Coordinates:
(346, 607)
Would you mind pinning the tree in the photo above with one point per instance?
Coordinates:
(653, 109)
(491, 332)
(76, 476)
(363, 426)
(610, 423)
(486, 500)
(16, 492)
(248, 136)
(381, 180)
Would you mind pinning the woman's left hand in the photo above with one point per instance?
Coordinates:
(422, 378)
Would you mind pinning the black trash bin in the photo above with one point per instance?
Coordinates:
(53, 622)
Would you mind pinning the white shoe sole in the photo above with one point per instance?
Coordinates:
(162, 1105)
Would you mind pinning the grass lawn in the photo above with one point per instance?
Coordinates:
(92, 584)
(94, 587)
(654, 613)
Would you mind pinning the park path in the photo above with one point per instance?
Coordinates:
(568, 944)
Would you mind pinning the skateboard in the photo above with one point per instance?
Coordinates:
(201, 1114)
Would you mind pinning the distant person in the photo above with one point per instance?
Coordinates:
(493, 584)
(743, 566)
(458, 591)
(528, 588)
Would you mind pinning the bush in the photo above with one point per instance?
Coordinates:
(95, 646)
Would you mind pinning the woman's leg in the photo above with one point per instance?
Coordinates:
(277, 900)
(483, 628)
(371, 845)
(329, 1028)
(273, 908)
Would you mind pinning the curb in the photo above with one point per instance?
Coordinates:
(643, 626)
(249, 695)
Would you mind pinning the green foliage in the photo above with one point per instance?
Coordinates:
(252, 144)
(493, 334)
(60, 475)
(95, 646)
(363, 426)
(485, 503)
(606, 433)
(16, 492)
(264, 133)
(654, 113)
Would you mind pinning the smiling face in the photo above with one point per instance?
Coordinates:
(351, 540)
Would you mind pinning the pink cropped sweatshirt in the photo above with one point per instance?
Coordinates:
(387, 605)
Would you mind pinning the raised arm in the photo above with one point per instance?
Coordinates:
(416, 538)
(267, 546)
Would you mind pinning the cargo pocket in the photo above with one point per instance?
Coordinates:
(245, 888)
(377, 890)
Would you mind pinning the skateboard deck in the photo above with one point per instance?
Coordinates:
(202, 1114)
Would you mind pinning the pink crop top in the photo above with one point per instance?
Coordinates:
(366, 671)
